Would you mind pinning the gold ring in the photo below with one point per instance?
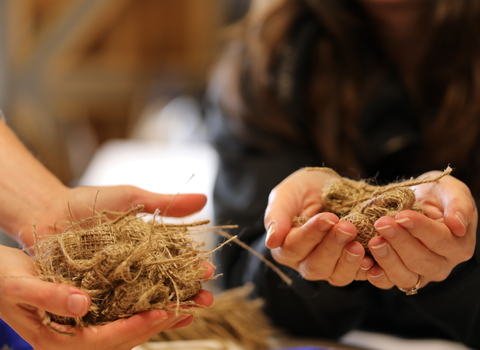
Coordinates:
(414, 289)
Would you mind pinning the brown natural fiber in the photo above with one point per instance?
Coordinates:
(233, 317)
(126, 264)
(362, 203)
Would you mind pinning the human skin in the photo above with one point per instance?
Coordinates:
(30, 193)
(409, 245)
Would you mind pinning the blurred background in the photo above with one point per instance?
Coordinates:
(108, 91)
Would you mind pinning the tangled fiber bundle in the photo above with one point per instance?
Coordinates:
(233, 317)
(362, 204)
(126, 264)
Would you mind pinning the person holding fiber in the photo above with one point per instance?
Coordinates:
(30, 193)
(374, 89)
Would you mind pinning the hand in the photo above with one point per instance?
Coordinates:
(23, 301)
(430, 245)
(80, 201)
(322, 248)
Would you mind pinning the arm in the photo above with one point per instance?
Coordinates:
(244, 181)
(30, 193)
(441, 246)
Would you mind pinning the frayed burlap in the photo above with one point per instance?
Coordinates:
(362, 203)
(233, 317)
(126, 264)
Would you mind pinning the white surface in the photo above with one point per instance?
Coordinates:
(375, 341)
(189, 345)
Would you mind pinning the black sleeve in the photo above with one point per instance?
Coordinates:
(244, 181)
(453, 305)
(449, 309)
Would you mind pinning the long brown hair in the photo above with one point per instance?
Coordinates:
(447, 94)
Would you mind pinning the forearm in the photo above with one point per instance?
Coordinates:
(26, 186)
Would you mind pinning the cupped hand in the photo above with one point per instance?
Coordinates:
(79, 202)
(430, 244)
(322, 248)
(24, 297)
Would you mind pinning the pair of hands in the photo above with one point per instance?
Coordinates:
(23, 300)
(408, 245)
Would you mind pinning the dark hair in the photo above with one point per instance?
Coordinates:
(447, 79)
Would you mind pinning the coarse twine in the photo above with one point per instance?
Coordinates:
(233, 317)
(126, 264)
(362, 203)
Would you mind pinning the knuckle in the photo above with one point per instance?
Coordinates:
(336, 282)
(289, 253)
(442, 275)
(311, 272)
(466, 254)
(424, 266)
(382, 284)
(444, 245)
(51, 293)
(279, 256)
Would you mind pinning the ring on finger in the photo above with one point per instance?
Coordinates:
(413, 290)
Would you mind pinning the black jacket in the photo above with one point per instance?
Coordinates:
(448, 309)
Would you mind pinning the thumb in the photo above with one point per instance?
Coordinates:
(56, 298)
(278, 219)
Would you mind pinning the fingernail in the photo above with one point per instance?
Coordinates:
(459, 215)
(351, 258)
(325, 224)
(77, 304)
(380, 275)
(365, 269)
(271, 231)
(406, 222)
(380, 250)
(342, 236)
(386, 231)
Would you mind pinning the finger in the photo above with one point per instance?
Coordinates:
(366, 264)
(436, 236)
(128, 332)
(320, 264)
(393, 267)
(203, 298)
(300, 242)
(183, 322)
(210, 269)
(348, 265)
(298, 194)
(57, 298)
(377, 277)
(172, 205)
(458, 213)
(454, 199)
(417, 256)
(173, 322)
(281, 210)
